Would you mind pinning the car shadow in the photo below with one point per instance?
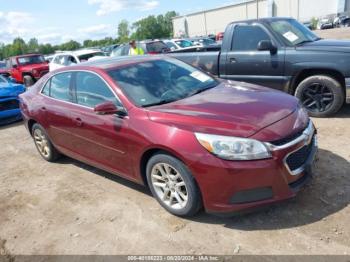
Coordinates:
(344, 112)
(10, 125)
(328, 193)
(115, 178)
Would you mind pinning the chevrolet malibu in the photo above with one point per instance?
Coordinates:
(195, 141)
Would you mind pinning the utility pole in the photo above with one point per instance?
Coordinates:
(257, 9)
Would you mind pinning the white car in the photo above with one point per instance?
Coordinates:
(75, 57)
(176, 44)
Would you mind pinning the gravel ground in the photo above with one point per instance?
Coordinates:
(71, 208)
(335, 33)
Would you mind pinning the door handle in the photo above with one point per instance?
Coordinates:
(233, 60)
(78, 121)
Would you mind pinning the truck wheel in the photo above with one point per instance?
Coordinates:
(321, 95)
(173, 185)
(28, 81)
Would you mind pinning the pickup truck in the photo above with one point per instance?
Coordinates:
(27, 69)
(283, 54)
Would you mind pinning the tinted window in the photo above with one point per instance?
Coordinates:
(247, 37)
(156, 47)
(59, 87)
(91, 90)
(171, 45)
(160, 81)
(46, 88)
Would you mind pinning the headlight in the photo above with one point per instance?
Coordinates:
(233, 148)
(34, 71)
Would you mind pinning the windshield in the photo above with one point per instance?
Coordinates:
(160, 81)
(156, 47)
(292, 32)
(2, 80)
(184, 43)
(28, 60)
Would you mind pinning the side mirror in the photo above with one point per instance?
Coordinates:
(109, 108)
(267, 45)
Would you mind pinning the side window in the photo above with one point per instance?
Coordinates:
(57, 59)
(125, 50)
(46, 88)
(247, 37)
(13, 61)
(59, 87)
(91, 90)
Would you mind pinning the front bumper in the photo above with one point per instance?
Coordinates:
(236, 186)
(347, 90)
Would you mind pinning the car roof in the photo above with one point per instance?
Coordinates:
(79, 52)
(118, 61)
(26, 55)
(262, 20)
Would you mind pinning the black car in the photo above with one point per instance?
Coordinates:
(283, 54)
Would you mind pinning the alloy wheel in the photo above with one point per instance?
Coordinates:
(317, 97)
(169, 185)
(42, 143)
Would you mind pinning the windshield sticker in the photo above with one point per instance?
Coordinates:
(200, 76)
(290, 36)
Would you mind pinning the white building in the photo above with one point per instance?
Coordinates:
(215, 20)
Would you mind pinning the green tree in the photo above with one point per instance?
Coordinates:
(33, 45)
(123, 31)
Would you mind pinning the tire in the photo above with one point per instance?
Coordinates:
(191, 204)
(28, 81)
(43, 144)
(321, 95)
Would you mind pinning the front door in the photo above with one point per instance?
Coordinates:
(102, 139)
(244, 62)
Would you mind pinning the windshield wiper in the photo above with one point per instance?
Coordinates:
(200, 90)
(161, 102)
(304, 41)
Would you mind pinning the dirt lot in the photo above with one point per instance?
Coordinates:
(336, 33)
(71, 208)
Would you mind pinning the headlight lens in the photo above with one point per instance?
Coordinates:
(233, 148)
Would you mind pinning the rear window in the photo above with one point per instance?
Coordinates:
(156, 47)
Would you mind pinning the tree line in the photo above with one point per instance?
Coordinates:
(151, 27)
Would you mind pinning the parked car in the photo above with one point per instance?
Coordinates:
(325, 23)
(9, 103)
(342, 21)
(149, 47)
(48, 58)
(177, 44)
(3, 69)
(27, 69)
(202, 41)
(282, 53)
(192, 139)
(75, 57)
(108, 49)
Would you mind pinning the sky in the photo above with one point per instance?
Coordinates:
(58, 21)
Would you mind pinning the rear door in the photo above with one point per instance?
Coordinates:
(56, 108)
(244, 62)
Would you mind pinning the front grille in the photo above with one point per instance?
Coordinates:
(288, 139)
(299, 158)
(9, 104)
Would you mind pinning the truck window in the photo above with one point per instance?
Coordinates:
(247, 37)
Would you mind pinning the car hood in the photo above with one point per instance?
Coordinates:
(231, 108)
(10, 90)
(39, 67)
(327, 45)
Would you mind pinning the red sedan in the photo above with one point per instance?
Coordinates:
(194, 140)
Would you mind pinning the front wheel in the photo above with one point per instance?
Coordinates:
(28, 81)
(321, 95)
(173, 185)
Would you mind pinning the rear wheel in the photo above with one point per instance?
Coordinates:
(43, 144)
(28, 81)
(321, 95)
(173, 185)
